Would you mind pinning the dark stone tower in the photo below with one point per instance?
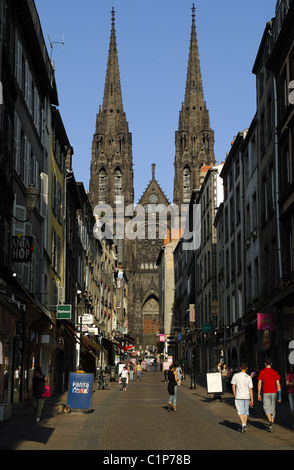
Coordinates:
(194, 139)
(112, 178)
(111, 174)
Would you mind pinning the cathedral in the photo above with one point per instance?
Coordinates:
(112, 184)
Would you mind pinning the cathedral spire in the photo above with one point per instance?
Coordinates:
(112, 100)
(194, 138)
(112, 162)
(194, 89)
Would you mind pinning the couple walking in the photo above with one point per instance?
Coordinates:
(242, 387)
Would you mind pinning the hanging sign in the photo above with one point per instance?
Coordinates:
(265, 321)
(22, 248)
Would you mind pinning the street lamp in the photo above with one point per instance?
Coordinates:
(31, 201)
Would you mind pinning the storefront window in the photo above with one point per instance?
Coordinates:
(5, 368)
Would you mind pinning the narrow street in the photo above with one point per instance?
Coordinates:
(138, 420)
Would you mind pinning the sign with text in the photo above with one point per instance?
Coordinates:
(80, 391)
(22, 248)
(64, 312)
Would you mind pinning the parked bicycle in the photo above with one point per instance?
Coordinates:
(101, 382)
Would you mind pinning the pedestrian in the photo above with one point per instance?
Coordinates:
(38, 388)
(242, 388)
(172, 387)
(155, 363)
(165, 368)
(269, 380)
(161, 361)
(124, 379)
(290, 385)
(179, 373)
(224, 373)
(139, 371)
(131, 370)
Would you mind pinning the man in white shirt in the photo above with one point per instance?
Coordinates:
(242, 387)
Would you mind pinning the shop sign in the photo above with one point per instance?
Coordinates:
(265, 321)
(63, 312)
(80, 391)
(22, 248)
(206, 327)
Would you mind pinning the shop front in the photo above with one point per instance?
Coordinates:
(8, 379)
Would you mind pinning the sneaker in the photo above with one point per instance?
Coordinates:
(271, 427)
(244, 429)
(38, 419)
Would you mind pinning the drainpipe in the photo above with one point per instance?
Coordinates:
(277, 181)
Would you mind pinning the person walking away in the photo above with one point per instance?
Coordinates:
(165, 368)
(290, 385)
(172, 388)
(139, 371)
(224, 373)
(269, 381)
(242, 388)
(131, 370)
(38, 388)
(179, 373)
(124, 379)
(155, 363)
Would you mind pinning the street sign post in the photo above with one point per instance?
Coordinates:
(64, 312)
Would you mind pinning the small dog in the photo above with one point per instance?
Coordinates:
(63, 408)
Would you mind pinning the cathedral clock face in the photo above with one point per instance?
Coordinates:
(153, 198)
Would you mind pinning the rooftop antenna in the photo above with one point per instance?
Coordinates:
(55, 42)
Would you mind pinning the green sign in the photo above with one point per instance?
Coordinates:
(206, 327)
(63, 312)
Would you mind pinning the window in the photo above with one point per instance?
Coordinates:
(117, 182)
(102, 185)
(186, 184)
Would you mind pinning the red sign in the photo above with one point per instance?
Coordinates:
(265, 321)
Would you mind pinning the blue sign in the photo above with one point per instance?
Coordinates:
(80, 391)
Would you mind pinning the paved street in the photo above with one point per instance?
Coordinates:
(138, 420)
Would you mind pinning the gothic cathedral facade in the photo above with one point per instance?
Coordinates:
(112, 183)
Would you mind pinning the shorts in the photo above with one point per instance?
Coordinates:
(269, 403)
(242, 406)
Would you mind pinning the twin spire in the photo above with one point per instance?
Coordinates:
(112, 100)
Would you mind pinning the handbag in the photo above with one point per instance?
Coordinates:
(47, 392)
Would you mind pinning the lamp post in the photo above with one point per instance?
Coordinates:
(31, 201)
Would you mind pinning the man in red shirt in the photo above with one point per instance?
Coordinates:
(269, 380)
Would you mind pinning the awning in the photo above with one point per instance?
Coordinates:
(91, 343)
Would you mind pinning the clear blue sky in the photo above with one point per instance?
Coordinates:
(153, 43)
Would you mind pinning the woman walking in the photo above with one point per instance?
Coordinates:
(39, 382)
(172, 387)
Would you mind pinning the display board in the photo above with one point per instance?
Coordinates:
(80, 391)
(214, 382)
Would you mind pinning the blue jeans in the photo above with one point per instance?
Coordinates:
(173, 398)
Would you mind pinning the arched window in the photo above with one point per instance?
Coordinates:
(117, 182)
(102, 185)
(186, 184)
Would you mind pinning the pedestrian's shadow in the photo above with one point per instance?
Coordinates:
(231, 425)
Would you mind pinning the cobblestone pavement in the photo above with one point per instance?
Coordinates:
(138, 420)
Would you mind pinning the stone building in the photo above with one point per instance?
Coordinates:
(111, 183)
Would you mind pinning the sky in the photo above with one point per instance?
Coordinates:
(153, 39)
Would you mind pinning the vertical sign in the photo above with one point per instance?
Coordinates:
(80, 391)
